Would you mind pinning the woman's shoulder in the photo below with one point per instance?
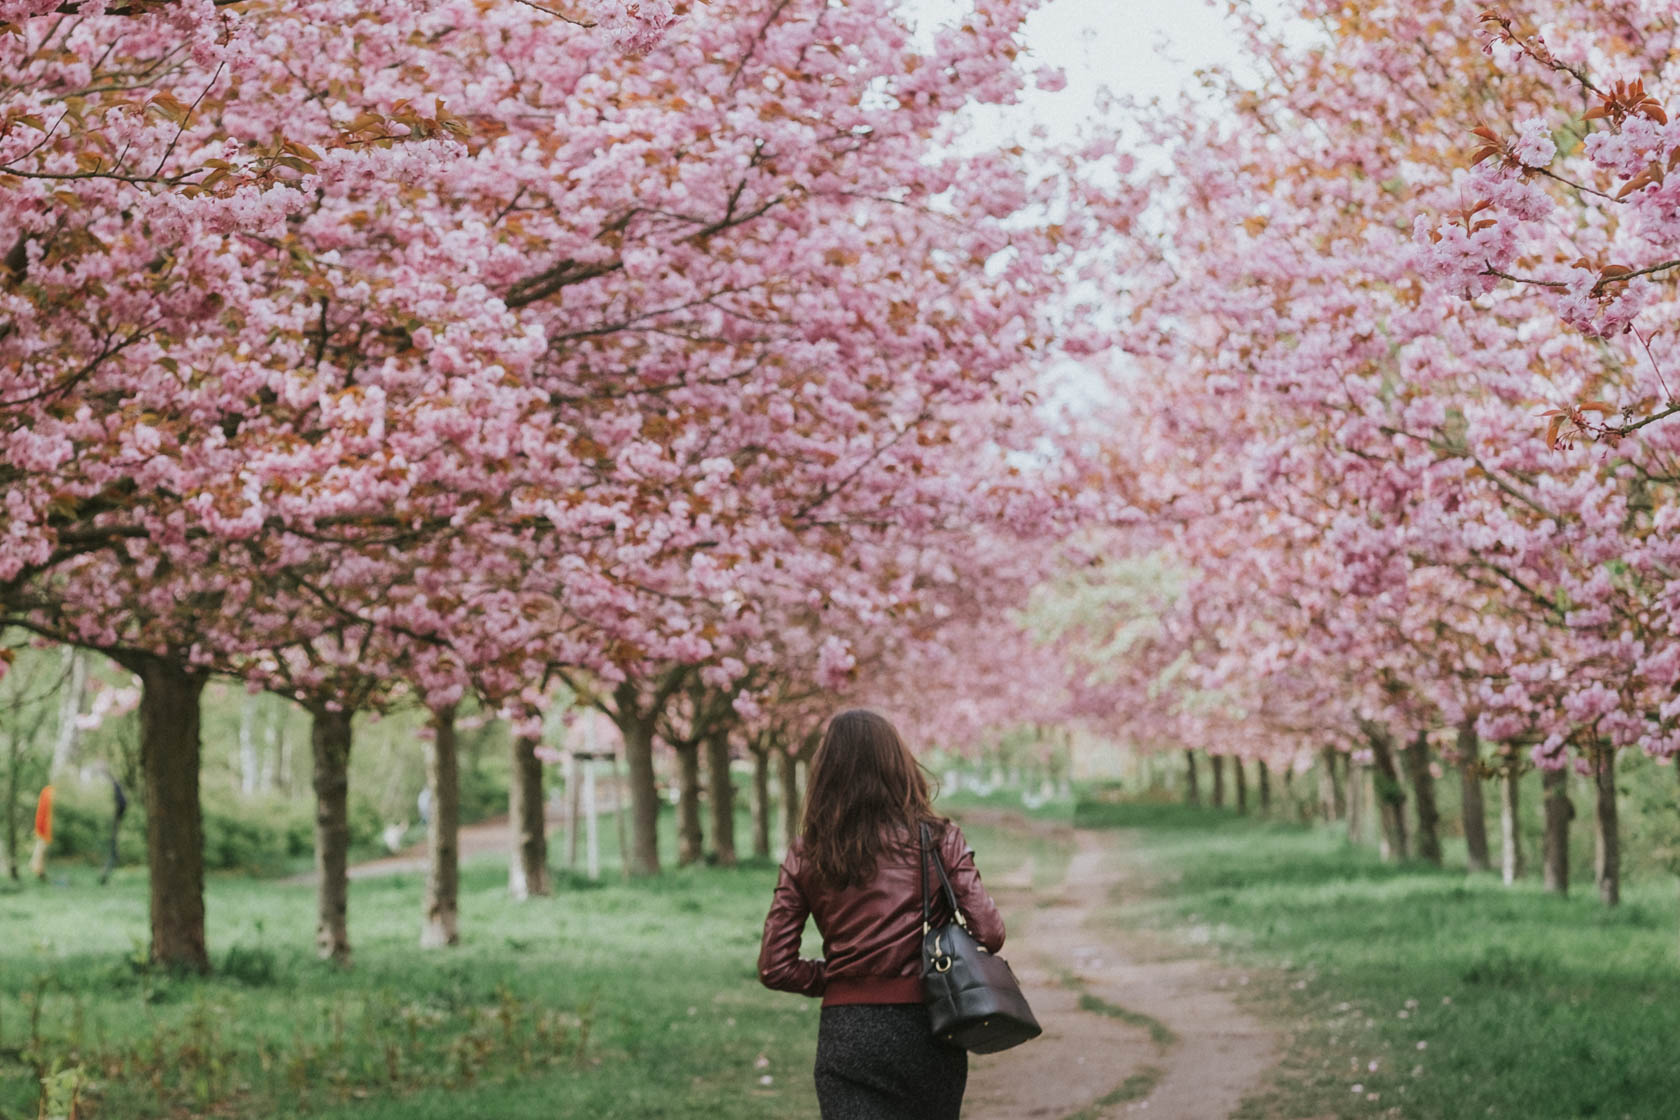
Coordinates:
(950, 837)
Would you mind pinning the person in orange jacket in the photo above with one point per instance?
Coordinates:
(43, 833)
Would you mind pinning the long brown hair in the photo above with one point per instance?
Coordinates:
(864, 787)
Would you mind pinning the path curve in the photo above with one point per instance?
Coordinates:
(1103, 997)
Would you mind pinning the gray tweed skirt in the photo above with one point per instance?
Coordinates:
(879, 1061)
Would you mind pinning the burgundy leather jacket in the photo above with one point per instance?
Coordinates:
(872, 935)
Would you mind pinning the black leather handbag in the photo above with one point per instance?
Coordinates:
(971, 995)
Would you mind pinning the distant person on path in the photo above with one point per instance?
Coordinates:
(43, 834)
(854, 868)
(119, 807)
(423, 805)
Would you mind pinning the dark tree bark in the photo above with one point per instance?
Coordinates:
(441, 924)
(528, 862)
(1473, 811)
(170, 694)
(1192, 783)
(1218, 781)
(1333, 787)
(761, 800)
(721, 791)
(787, 766)
(1606, 827)
(644, 797)
(1512, 864)
(1241, 776)
(1423, 795)
(637, 718)
(1555, 845)
(1358, 786)
(1265, 787)
(689, 834)
(1391, 795)
(330, 738)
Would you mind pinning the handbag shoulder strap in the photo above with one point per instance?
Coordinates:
(944, 882)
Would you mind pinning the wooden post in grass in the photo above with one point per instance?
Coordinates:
(1472, 810)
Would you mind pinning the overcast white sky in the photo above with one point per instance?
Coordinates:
(1143, 48)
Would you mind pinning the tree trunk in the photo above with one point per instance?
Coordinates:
(722, 793)
(1511, 862)
(1335, 782)
(330, 739)
(1423, 793)
(1470, 796)
(170, 694)
(1391, 795)
(1555, 847)
(1192, 786)
(761, 802)
(528, 862)
(1606, 831)
(1265, 788)
(1218, 781)
(689, 836)
(788, 768)
(69, 709)
(644, 791)
(12, 779)
(1241, 775)
(1357, 786)
(441, 925)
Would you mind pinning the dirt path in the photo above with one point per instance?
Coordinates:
(485, 838)
(1131, 1026)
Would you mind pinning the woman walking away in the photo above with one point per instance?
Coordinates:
(855, 868)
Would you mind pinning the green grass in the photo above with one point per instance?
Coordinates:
(613, 1000)
(1525, 1005)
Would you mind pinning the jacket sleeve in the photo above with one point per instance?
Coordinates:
(984, 921)
(779, 964)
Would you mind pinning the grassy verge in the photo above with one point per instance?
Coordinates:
(613, 1000)
(610, 1000)
(1419, 992)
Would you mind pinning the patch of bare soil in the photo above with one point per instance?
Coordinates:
(1131, 1027)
